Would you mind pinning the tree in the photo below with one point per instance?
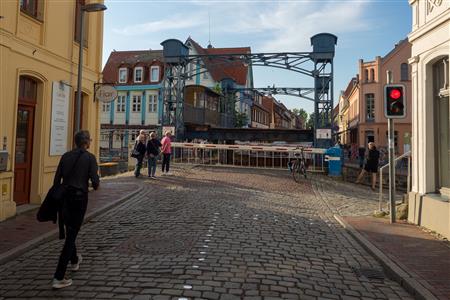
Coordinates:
(240, 119)
(302, 114)
(310, 122)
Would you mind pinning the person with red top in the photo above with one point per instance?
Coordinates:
(166, 150)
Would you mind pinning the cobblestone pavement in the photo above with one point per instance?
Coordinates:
(211, 234)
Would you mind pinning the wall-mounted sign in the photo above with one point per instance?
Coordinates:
(60, 118)
(323, 133)
(168, 128)
(106, 93)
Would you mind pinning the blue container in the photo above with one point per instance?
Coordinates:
(334, 156)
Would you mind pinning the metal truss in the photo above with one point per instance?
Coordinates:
(317, 64)
(289, 91)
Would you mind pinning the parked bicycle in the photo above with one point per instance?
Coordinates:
(298, 165)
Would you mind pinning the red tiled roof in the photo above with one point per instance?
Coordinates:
(130, 59)
(219, 70)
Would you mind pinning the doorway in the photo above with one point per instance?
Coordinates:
(24, 139)
(442, 123)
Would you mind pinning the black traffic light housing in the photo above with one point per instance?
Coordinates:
(395, 101)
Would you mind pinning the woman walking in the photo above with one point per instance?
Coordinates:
(139, 150)
(371, 165)
(166, 149)
(153, 146)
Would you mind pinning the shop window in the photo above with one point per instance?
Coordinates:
(33, 8)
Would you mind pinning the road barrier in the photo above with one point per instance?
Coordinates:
(269, 157)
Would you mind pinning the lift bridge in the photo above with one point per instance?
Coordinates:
(317, 65)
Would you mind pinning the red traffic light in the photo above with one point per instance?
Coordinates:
(395, 94)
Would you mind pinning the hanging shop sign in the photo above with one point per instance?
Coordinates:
(106, 93)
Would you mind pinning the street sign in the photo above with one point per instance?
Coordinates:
(106, 93)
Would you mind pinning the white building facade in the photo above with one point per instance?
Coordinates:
(430, 38)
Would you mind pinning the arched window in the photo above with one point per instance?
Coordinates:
(372, 74)
(404, 72)
(366, 75)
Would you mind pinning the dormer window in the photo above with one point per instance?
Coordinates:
(123, 75)
(154, 74)
(138, 72)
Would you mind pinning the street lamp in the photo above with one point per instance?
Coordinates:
(92, 7)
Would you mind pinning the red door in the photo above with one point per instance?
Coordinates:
(23, 154)
(24, 139)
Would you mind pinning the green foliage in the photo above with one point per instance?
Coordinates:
(240, 119)
(302, 114)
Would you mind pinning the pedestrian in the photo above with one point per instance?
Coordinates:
(166, 149)
(75, 169)
(361, 155)
(371, 165)
(140, 149)
(153, 150)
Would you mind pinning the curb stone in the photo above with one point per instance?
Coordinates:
(19, 250)
(411, 284)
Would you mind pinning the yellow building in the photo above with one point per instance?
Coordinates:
(38, 64)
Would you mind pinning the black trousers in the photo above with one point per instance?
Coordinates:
(166, 162)
(74, 208)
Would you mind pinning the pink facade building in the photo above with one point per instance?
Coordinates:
(365, 114)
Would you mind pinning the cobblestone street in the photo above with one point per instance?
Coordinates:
(216, 233)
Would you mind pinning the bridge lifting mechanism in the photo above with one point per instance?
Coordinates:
(317, 64)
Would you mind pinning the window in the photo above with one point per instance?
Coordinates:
(106, 107)
(123, 72)
(138, 74)
(372, 74)
(137, 100)
(370, 107)
(78, 5)
(33, 8)
(153, 103)
(404, 72)
(121, 103)
(205, 75)
(191, 70)
(154, 74)
(366, 75)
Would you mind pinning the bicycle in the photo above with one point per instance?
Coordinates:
(298, 166)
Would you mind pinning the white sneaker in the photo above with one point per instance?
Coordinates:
(59, 284)
(76, 267)
(169, 174)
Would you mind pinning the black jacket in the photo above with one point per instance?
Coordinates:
(78, 176)
(153, 146)
(140, 147)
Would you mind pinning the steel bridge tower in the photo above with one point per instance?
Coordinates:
(317, 64)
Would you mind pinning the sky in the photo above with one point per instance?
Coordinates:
(365, 29)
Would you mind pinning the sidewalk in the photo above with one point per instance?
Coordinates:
(420, 261)
(23, 231)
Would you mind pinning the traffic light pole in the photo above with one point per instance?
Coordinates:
(391, 142)
(391, 170)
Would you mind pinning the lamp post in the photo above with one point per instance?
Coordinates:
(92, 7)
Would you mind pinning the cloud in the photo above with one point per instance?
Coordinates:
(288, 25)
(174, 23)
